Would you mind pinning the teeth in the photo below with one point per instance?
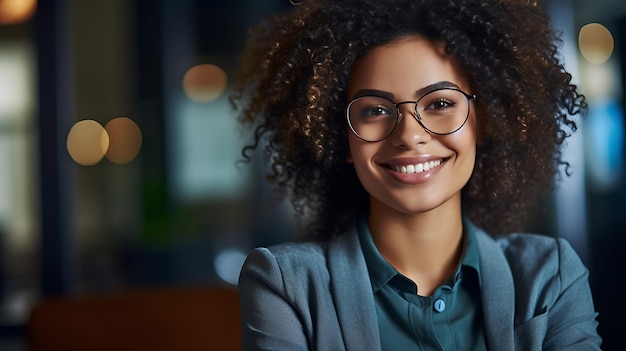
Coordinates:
(417, 168)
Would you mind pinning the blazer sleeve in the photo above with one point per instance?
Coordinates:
(572, 323)
(269, 320)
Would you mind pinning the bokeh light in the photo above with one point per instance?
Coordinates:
(228, 264)
(16, 80)
(87, 142)
(204, 83)
(595, 43)
(125, 140)
(16, 11)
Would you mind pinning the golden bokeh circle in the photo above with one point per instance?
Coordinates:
(16, 11)
(595, 43)
(126, 139)
(204, 83)
(87, 142)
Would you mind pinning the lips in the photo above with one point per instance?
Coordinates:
(417, 167)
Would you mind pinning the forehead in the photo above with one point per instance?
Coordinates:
(403, 67)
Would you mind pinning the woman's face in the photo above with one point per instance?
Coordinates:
(388, 169)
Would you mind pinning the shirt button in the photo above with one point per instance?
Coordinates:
(440, 305)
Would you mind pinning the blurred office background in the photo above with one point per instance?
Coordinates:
(119, 150)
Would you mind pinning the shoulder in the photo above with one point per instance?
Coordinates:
(539, 264)
(286, 266)
(293, 253)
(553, 305)
(540, 253)
(290, 256)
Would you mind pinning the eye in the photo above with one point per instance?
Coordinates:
(440, 104)
(375, 111)
(371, 109)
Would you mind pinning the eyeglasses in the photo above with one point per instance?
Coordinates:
(443, 111)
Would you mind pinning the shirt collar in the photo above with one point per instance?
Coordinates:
(381, 272)
(379, 269)
(470, 254)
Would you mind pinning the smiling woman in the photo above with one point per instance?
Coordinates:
(411, 139)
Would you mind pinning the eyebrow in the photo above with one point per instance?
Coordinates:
(419, 93)
(436, 86)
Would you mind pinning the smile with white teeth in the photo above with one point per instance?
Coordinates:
(417, 168)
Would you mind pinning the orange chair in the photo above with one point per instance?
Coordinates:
(155, 319)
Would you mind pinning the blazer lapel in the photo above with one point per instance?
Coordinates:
(352, 293)
(497, 292)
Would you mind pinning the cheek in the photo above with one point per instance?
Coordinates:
(468, 144)
(472, 124)
(463, 142)
(353, 148)
(360, 153)
(469, 133)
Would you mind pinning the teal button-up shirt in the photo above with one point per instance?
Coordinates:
(450, 319)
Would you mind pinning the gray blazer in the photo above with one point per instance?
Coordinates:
(318, 296)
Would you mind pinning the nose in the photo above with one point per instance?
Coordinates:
(409, 132)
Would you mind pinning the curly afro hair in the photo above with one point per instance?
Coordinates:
(292, 89)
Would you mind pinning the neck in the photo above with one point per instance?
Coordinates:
(425, 247)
